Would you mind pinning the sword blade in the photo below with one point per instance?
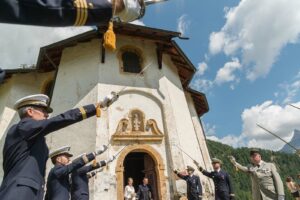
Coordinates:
(121, 150)
(150, 2)
(278, 137)
(185, 152)
(294, 106)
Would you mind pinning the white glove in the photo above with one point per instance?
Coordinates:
(101, 150)
(232, 159)
(132, 11)
(109, 99)
(110, 159)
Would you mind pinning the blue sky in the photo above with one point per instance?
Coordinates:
(261, 96)
(246, 53)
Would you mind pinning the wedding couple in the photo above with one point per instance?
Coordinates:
(144, 191)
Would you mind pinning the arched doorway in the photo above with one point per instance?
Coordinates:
(138, 165)
(155, 172)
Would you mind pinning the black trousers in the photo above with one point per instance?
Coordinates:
(80, 197)
(222, 196)
(193, 196)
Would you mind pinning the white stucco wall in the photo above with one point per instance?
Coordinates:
(82, 79)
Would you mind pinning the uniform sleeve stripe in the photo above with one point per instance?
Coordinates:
(83, 13)
(85, 159)
(78, 12)
(83, 113)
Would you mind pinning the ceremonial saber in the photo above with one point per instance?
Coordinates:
(115, 156)
(150, 2)
(94, 173)
(186, 153)
(114, 96)
(121, 150)
(297, 150)
(137, 75)
(294, 106)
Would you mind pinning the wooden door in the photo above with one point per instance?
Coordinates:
(151, 175)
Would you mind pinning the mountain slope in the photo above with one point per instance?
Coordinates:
(295, 141)
(287, 164)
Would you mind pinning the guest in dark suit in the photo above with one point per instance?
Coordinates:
(194, 188)
(144, 191)
(222, 181)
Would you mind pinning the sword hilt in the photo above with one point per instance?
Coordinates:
(109, 99)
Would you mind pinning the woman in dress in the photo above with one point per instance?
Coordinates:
(293, 187)
(129, 193)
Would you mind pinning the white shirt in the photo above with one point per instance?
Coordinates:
(129, 193)
(218, 170)
(292, 187)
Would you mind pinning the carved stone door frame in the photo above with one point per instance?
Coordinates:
(159, 169)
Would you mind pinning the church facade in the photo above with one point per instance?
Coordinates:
(156, 112)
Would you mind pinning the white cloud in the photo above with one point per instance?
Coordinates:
(199, 83)
(232, 140)
(201, 69)
(183, 24)
(209, 129)
(258, 29)
(21, 44)
(281, 120)
(226, 73)
(216, 42)
(289, 90)
(292, 90)
(202, 85)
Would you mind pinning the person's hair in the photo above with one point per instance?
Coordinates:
(129, 179)
(23, 112)
(289, 179)
(53, 159)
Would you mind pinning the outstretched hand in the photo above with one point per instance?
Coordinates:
(111, 159)
(129, 10)
(109, 99)
(232, 159)
(196, 163)
(101, 149)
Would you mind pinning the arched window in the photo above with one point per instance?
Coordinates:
(131, 60)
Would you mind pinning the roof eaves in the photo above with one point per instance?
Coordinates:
(146, 28)
(190, 64)
(192, 91)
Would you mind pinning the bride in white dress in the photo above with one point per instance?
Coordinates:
(129, 193)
